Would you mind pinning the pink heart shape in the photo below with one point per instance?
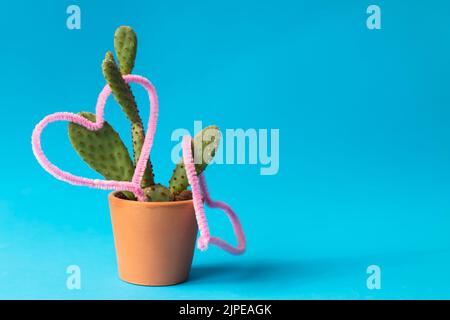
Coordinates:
(134, 185)
(199, 191)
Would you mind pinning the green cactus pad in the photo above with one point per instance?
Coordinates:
(202, 148)
(125, 44)
(124, 96)
(158, 193)
(138, 136)
(102, 150)
(184, 195)
(120, 89)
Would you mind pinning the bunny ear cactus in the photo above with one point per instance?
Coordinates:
(120, 89)
(125, 45)
(124, 96)
(104, 151)
(204, 147)
(158, 193)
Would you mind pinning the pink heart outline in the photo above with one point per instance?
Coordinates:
(134, 184)
(199, 191)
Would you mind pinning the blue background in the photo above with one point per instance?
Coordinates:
(364, 125)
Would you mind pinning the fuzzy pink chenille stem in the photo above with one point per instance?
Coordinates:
(198, 185)
(199, 188)
(134, 185)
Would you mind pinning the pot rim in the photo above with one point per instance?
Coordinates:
(119, 201)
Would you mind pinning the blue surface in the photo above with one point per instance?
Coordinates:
(364, 123)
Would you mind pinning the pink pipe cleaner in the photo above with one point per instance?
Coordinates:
(134, 185)
(199, 187)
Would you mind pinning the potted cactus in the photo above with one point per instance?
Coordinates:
(154, 226)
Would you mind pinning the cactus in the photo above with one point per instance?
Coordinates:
(204, 146)
(125, 45)
(120, 89)
(124, 96)
(158, 193)
(104, 151)
(184, 195)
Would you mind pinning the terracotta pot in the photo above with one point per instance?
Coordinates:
(154, 241)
